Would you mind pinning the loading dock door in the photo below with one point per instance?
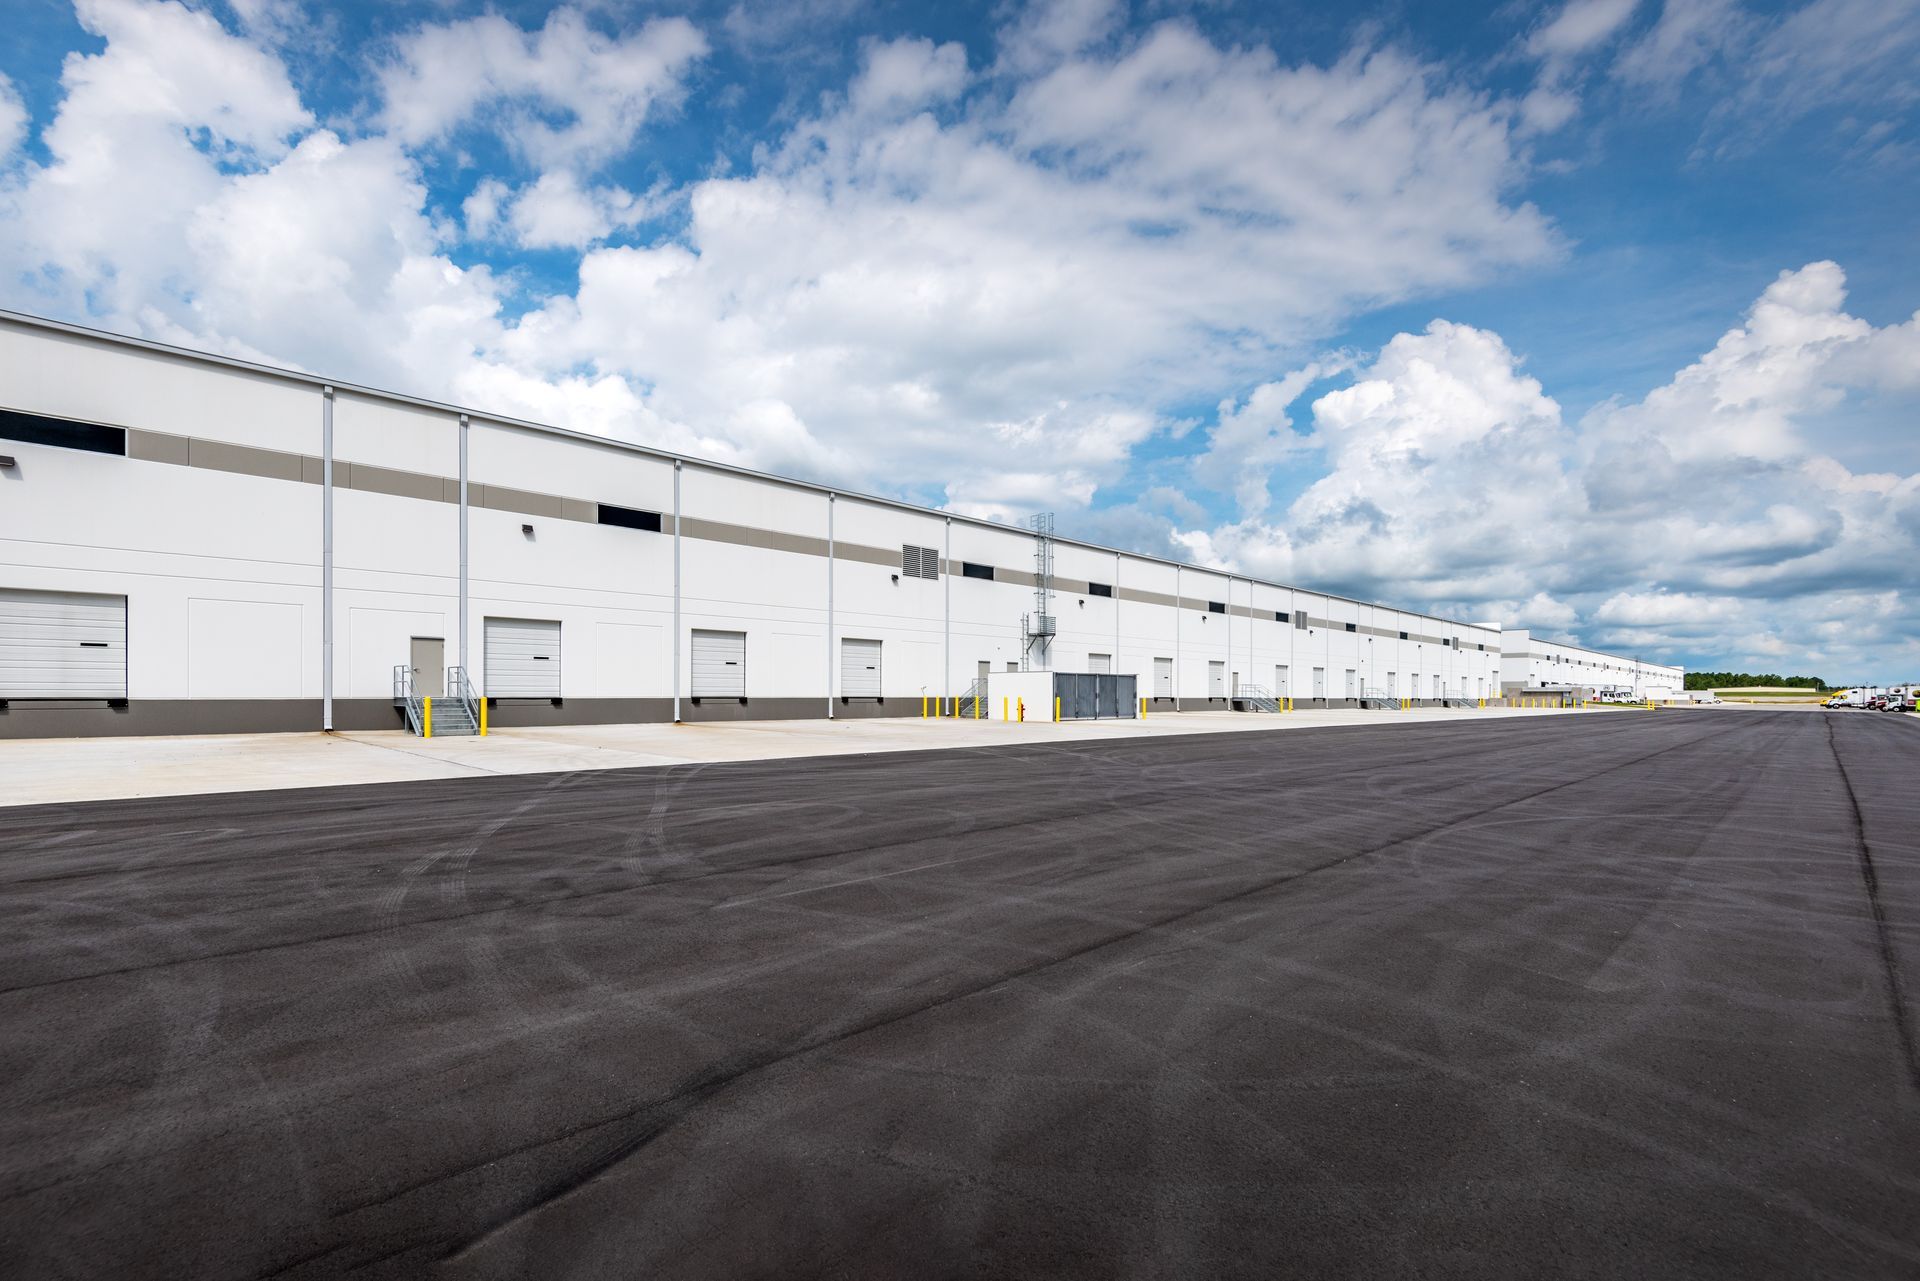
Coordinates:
(719, 664)
(1163, 678)
(1100, 664)
(523, 658)
(1216, 680)
(62, 645)
(859, 668)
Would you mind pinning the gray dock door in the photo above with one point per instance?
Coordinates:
(62, 645)
(523, 658)
(859, 668)
(719, 664)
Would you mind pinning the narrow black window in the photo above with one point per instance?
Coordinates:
(1280, 616)
(1216, 607)
(971, 570)
(1353, 627)
(63, 433)
(1403, 635)
(629, 518)
(1099, 589)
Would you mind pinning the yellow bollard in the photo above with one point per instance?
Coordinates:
(1143, 709)
(923, 707)
(1056, 711)
(1004, 714)
(483, 718)
(426, 720)
(977, 700)
(1021, 708)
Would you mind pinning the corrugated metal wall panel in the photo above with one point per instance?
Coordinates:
(719, 664)
(62, 645)
(859, 668)
(523, 658)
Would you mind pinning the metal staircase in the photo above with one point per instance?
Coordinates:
(1378, 699)
(973, 704)
(1256, 698)
(453, 714)
(1037, 628)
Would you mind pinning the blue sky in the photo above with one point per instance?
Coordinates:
(1594, 316)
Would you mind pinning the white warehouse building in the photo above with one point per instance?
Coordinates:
(190, 543)
(1533, 664)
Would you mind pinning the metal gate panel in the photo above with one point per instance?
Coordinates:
(719, 664)
(1086, 696)
(62, 645)
(859, 668)
(522, 658)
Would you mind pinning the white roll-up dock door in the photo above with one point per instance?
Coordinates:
(859, 668)
(719, 664)
(523, 658)
(62, 645)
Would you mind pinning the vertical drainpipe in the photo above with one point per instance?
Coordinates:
(326, 559)
(1229, 680)
(946, 617)
(1175, 691)
(465, 670)
(830, 499)
(676, 591)
(1114, 666)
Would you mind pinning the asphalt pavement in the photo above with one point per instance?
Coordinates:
(1630, 994)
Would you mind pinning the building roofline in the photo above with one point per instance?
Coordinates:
(506, 420)
(1534, 636)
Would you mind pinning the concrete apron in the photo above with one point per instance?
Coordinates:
(44, 771)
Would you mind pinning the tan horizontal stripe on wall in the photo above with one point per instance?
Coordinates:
(717, 531)
(244, 460)
(1140, 596)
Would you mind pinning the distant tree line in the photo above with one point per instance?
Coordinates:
(1742, 680)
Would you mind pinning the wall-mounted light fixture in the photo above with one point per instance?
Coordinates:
(527, 530)
(6, 461)
(896, 578)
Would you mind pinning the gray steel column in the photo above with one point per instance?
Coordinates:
(676, 591)
(326, 559)
(946, 621)
(830, 606)
(465, 669)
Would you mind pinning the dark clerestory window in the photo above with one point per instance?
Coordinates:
(1099, 589)
(629, 518)
(971, 570)
(63, 433)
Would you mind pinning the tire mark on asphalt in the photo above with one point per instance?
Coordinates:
(1889, 956)
(661, 1115)
(1169, 794)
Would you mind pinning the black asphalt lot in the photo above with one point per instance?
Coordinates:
(1626, 994)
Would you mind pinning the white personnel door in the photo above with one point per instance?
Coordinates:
(62, 645)
(1280, 681)
(859, 668)
(1216, 680)
(522, 658)
(1100, 664)
(1163, 678)
(1319, 682)
(719, 664)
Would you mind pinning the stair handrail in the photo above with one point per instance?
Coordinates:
(461, 688)
(407, 694)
